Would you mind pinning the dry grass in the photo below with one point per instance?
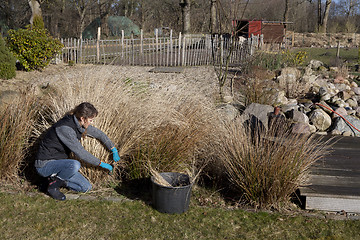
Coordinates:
(15, 127)
(158, 125)
(267, 167)
(122, 111)
(183, 130)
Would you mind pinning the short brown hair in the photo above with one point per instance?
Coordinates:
(85, 109)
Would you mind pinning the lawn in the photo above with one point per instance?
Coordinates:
(40, 217)
(328, 55)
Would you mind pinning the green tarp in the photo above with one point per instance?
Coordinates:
(116, 24)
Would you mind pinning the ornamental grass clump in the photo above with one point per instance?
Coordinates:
(173, 144)
(16, 120)
(123, 113)
(267, 167)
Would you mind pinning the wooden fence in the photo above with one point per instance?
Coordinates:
(182, 50)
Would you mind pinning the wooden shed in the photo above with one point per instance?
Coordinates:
(273, 31)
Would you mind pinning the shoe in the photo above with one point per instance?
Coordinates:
(54, 188)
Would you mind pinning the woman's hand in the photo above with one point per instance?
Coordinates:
(116, 156)
(106, 166)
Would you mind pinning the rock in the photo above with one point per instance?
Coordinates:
(279, 98)
(354, 84)
(322, 69)
(344, 95)
(352, 103)
(260, 111)
(228, 99)
(312, 128)
(357, 111)
(333, 69)
(228, 111)
(326, 97)
(342, 87)
(336, 132)
(288, 77)
(348, 134)
(297, 116)
(288, 107)
(356, 90)
(342, 111)
(300, 128)
(315, 64)
(320, 119)
(342, 126)
(324, 107)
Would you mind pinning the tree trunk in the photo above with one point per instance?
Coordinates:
(286, 11)
(319, 15)
(323, 25)
(213, 16)
(185, 9)
(35, 10)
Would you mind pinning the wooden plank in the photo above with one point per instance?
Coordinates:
(331, 203)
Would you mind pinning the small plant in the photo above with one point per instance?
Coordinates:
(71, 63)
(266, 167)
(33, 47)
(293, 59)
(7, 61)
(257, 86)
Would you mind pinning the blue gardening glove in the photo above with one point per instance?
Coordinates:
(116, 156)
(106, 166)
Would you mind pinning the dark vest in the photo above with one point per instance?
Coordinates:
(51, 147)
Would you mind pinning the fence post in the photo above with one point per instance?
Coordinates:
(179, 52)
(98, 45)
(141, 47)
(171, 48)
(122, 44)
(183, 51)
(157, 46)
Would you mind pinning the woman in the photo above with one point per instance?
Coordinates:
(62, 139)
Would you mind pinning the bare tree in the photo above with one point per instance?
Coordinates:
(213, 16)
(225, 24)
(185, 9)
(35, 10)
(323, 18)
(82, 7)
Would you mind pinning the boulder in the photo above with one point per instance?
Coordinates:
(297, 116)
(288, 77)
(228, 111)
(342, 111)
(341, 125)
(300, 128)
(320, 119)
(356, 90)
(260, 111)
(315, 64)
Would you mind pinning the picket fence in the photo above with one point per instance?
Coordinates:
(182, 50)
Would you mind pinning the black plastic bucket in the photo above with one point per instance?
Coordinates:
(173, 199)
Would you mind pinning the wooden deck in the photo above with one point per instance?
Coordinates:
(335, 180)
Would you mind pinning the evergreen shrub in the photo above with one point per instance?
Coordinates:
(7, 61)
(33, 46)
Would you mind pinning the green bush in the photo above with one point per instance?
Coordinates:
(7, 62)
(33, 46)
